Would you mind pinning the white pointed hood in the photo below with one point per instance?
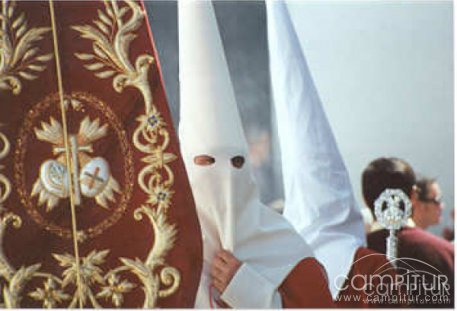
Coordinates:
(230, 213)
(318, 195)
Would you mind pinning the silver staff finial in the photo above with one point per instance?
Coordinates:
(392, 209)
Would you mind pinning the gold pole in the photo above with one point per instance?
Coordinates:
(69, 163)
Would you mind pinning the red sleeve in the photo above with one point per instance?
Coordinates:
(306, 287)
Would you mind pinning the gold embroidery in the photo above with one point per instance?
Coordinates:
(15, 279)
(89, 132)
(52, 182)
(5, 186)
(12, 293)
(110, 43)
(155, 178)
(90, 274)
(53, 293)
(115, 290)
(19, 58)
(50, 294)
(6, 270)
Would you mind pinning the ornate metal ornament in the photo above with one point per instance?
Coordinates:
(392, 210)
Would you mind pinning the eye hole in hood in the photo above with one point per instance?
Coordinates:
(237, 161)
(204, 160)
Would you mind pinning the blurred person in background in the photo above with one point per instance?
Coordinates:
(428, 208)
(419, 252)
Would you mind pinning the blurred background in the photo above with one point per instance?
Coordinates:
(383, 69)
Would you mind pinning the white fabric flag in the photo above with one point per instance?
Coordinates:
(228, 205)
(319, 201)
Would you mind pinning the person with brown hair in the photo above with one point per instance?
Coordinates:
(425, 260)
(428, 207)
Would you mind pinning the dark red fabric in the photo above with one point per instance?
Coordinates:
(356, 293)
(306, 287)
(421, 245)
(44, 233)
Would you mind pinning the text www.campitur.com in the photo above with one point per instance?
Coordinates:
(395, 299)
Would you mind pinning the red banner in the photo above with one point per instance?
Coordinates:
(96, 210)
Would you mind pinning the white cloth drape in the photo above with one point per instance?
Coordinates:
(318, 196)
(228, 206)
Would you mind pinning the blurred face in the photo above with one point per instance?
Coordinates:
(431, 208)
